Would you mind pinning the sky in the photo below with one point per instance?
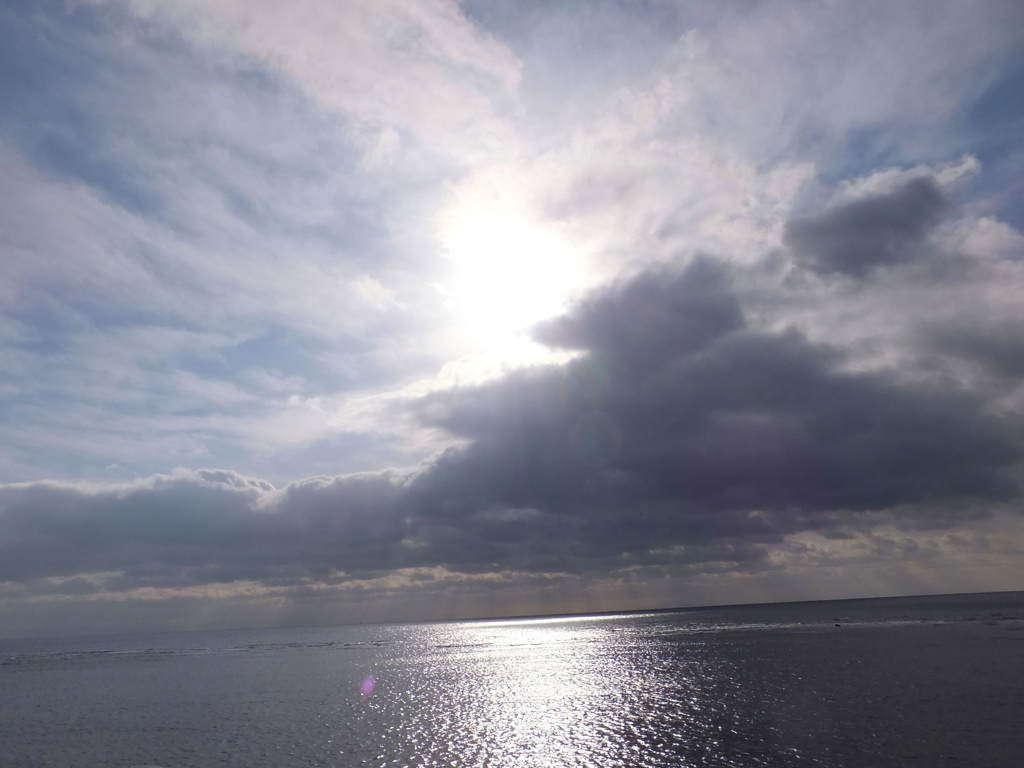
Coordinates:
(322, 312)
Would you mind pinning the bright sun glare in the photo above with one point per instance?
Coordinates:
(508, 273)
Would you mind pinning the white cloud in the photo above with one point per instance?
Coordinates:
(419, 67)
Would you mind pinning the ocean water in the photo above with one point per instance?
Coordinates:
(923, 681)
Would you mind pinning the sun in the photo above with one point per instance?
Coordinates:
(507, 272)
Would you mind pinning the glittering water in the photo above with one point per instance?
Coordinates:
(926, 681)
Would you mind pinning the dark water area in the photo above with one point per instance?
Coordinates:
(901, 681)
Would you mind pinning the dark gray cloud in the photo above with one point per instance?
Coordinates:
(198, 527)
(682, 426)
(682, 435)
(660, 313)
(875, 231)
(995, 345)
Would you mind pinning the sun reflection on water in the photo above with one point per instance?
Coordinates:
(596, 691)
(541, 684)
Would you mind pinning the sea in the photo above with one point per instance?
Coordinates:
(927, 681)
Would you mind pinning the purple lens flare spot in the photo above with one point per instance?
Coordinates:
(366, 687)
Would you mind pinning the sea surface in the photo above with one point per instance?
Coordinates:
(928, 681)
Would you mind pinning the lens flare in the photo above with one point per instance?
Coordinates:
(366, 687)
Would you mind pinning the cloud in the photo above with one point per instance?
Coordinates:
(881, 79)
(224, 231)
(195, 527)
(683, 425)
(273, 177)
(177, 221)
(681, 436)
(657, 314)
(857, 237)
(995, 345)
(422, 69)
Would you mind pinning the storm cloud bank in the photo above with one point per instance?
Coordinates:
(682, 434)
